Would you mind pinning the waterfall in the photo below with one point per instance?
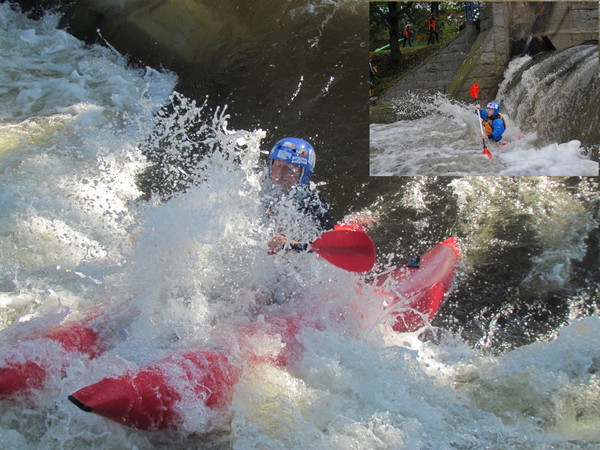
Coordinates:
(555, 94)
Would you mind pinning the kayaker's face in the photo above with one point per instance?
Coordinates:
(285, 175)
(490, 112)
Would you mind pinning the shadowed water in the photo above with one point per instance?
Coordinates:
(513, 363)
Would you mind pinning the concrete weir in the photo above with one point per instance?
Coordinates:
(483, 55)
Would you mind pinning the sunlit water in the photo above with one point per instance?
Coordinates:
(445, 140)
(76, 240)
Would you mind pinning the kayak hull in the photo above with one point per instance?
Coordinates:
(418, 292)
(154, 397)
(18, 375)
(148, 399)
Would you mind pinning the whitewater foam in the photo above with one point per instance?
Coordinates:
(446, 142)
(160, 276)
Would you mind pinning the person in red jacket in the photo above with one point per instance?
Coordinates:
(407, 33)
(432, 31)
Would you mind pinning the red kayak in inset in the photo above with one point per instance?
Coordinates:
(152, 398)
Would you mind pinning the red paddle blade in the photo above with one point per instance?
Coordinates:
(474, 91)
(346, 249)
(487, 152)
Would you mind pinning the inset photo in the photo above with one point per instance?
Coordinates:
(473, 88)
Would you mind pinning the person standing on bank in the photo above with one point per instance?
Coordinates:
(432, 31)
(372, 73)
(291, 164)
(407, 33)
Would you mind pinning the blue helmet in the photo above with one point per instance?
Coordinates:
(495, 106)
(295, 151)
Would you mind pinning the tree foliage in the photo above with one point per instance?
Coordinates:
(449, 17)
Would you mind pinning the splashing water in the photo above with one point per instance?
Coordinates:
(160, 275)
(444, 138)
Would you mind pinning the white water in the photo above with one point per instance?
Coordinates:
(446, 143)
(446, 140)
(169, 276)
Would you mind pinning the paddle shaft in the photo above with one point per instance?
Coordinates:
(480, 125)
(485, 149)
(474, 91)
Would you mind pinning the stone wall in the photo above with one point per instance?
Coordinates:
(488, 58)
(503, 24)
(435, 74)
(178, 35)
(564, 23)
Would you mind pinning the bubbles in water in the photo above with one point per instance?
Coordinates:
(188, 267)
(544, 103)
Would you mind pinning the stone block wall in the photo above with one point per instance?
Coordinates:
(564, 23)
(572, 23)
(488, 57)
(435, 74)
(503, 23)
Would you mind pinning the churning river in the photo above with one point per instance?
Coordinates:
(512, 360)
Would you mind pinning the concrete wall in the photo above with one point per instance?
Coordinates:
(435, 74)
(488, 58)
(565, 23)
(173, 34)
(503, 24)
(487, 55)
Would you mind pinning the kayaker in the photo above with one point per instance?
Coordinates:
(291, 164)
(494, 124)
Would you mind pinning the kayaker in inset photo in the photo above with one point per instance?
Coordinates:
(301, 210)
(494, 124)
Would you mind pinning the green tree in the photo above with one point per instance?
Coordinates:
(450, 17)
(394, 33)
(378, 24)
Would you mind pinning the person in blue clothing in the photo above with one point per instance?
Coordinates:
(494, 124)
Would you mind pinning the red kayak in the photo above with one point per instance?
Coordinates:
(154, 397)
(18, 374)
(348, 247)
(148, 399)
(419, 291)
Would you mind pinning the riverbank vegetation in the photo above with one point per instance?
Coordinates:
(449, 17)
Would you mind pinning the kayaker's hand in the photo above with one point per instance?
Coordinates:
(478, 106)
(276, 244)
(484, 136)
(279, 242)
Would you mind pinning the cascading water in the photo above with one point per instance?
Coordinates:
(549, 103)
(555, 94)
(514, 362)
